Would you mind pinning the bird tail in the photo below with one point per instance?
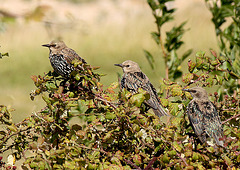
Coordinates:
(218, 142)
(160, 111)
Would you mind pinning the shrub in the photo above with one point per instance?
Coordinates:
(113, 129)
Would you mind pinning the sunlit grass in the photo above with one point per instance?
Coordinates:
(101, 44)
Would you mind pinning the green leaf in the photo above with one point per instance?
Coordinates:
(175, 121)
(174, 61)
(77, 77)
(199, 62)
(210, 81)
(152, 4)
(176, 91)
(219, 79)
(13, 128)
(210, 149)
(69, 165)
(91, 118)
(110, 115)
(156, 37)
(186, 78)
(227, 160)
(33, 165)
(186, 54)
(135, 127)
(174, 36)
(50, 86)
(108, 135)
(115, 160)
(165, 158)
(173, 108)
(137, 159)
(196, 156)
(172, 153)
(4, 54)
(149, 58)
(200, 54)
(177, 146)
(137, 99)
(191, 66)
(164, 102)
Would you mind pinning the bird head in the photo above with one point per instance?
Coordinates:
(55, 45)
(129, 66)
(197, 92)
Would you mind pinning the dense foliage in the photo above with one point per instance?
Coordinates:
(85, 125)
(114, 130)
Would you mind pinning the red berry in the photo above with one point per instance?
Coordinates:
(14, 167)
(215, 93)
(1, 158)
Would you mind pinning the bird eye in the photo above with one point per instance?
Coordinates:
(127, 65)
(194, 91)
(53, 45)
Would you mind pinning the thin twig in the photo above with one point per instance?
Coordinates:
(131, 163)
(73, 99)
(105, 100)
(6, 139)
(85, 147)
(150, 163)
(233, 117)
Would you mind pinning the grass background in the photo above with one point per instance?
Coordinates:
(104, 32)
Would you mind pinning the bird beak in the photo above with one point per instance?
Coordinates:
(119, 65)
(46, 45)
(188, 90)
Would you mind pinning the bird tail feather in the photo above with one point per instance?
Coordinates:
(160, 112)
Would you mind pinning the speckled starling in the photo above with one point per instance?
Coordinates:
(61, 58)
(133, 78)
(203, 116)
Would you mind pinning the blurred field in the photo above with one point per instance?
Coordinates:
(104, 32)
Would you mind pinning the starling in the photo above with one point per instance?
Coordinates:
(203, 116)
(61, 58)
(133, 78)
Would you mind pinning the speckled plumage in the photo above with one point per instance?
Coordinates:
(133, 78)
(203, 116)
(61, 58)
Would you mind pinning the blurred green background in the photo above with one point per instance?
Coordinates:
(104, 32)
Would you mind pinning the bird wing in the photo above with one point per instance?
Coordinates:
(70, 55)
(133, 81)
(153, 101)
(195, 115)
(212, 122)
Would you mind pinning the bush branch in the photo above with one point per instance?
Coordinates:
(131, 163)
(105, 100)
(233, 117)
(16, 133)
(149, 166)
